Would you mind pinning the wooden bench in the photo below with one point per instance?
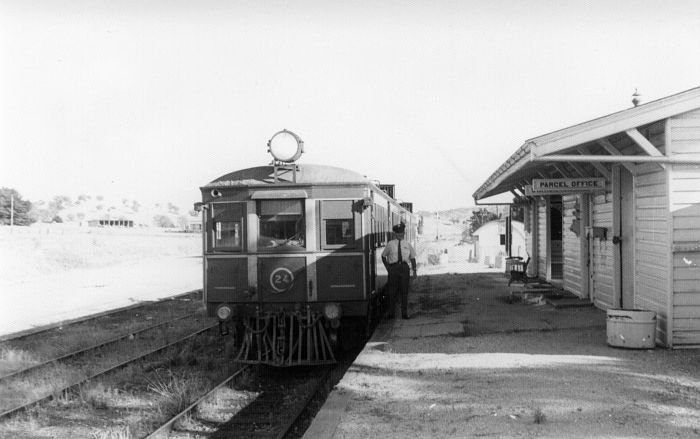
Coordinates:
(518, 271)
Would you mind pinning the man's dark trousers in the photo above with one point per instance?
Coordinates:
(399, 276)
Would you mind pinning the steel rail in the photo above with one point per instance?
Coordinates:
(165, 428)
(90, 348)
(49, 327)
(287, 425)
(105, 371)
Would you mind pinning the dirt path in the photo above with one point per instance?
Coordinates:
(471, 365)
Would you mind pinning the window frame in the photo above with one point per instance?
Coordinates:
(218, 214)
(280, 248)
(353, 217)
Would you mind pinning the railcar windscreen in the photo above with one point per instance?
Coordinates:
(282, 224)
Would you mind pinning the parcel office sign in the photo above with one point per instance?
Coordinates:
(553, 186)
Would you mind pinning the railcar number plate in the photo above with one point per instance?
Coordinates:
(281, 279)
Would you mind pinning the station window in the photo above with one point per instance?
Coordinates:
(227, 226)
(282, 225)
(337, 224)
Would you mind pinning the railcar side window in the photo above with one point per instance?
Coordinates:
(337, 224)
(282, 224)
(227, 226)
(228, 234)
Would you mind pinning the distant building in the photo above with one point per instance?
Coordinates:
(194, 224)
(490, 241)
(110, 223)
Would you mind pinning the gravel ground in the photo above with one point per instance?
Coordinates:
(470, 364)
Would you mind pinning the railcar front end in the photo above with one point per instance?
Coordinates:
(290, 259)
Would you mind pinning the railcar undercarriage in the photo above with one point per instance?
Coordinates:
(286, 338)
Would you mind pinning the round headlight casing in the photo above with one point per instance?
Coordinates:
(285, 146)
(332, 311)
(223, 312)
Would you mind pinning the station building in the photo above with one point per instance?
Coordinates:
(612, 211)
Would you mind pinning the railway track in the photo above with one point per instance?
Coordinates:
(129, 336)
(7, 412)
(273, 414)
(283, 396)
(48, 328)
(164, 430)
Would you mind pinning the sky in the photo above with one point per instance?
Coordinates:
(150, 100)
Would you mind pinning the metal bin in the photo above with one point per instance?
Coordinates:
(631, 328)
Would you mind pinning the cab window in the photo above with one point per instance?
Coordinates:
(227, 226)
(282, 225)
(337, 224)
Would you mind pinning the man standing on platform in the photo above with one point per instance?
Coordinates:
(395, 257)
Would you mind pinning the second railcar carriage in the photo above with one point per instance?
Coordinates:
(292, 257)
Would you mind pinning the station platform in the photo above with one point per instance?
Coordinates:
(407, 380)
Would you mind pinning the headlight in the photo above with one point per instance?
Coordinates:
(223, 312)
(332, 311)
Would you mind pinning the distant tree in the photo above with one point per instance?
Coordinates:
(479, 218)
(135, 206)
(183, 222)
(81, 216)
(59, 203)
(173, 209)
(56, 219)
(193, 213)
(83, 197)
(22, 208)
(162, 221)
(99, 207)
(100, 198)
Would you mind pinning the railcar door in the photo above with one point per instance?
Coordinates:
(371, 248)
(226, 267)
(339, 266)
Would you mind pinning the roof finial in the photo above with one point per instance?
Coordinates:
(635, 98)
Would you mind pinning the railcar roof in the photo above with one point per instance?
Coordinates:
(306, 174)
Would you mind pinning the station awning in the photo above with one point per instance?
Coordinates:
(587, 150)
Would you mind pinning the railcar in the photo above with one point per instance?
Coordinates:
(292, 256)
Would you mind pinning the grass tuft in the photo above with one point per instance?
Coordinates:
(14, 359)
(119, 432)
(99, 397)
(176, 391)
(539, 416)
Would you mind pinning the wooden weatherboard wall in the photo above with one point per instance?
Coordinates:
(684, 194)
(602, 251)
(652, 270)
(573, 278)
(542, 226)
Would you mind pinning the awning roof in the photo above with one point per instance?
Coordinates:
(582, 150)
